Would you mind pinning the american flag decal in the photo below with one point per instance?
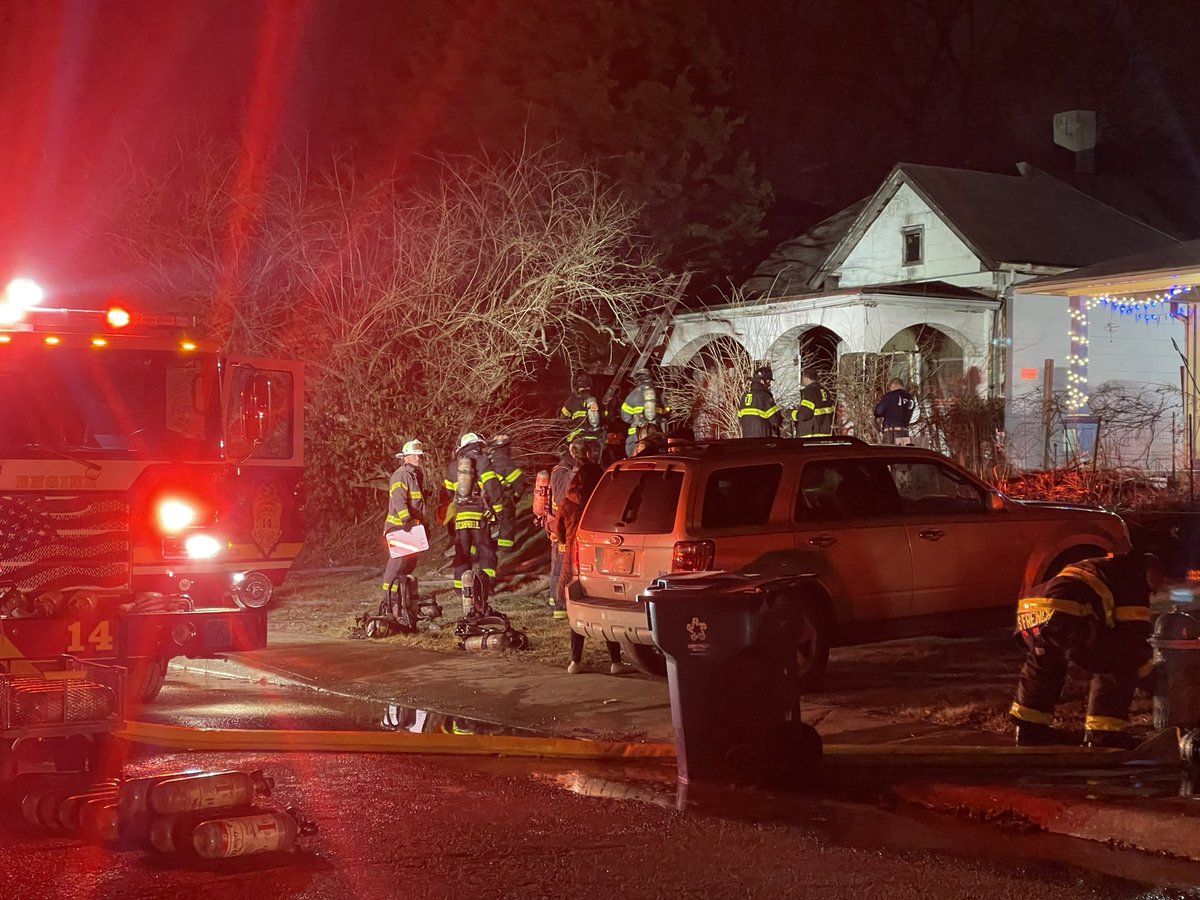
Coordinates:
(58, 543)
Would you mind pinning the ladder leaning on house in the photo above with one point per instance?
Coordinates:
(650, 334)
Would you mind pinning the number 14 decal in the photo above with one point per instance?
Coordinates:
(100, 639)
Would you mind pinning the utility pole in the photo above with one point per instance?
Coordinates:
(1047, 411)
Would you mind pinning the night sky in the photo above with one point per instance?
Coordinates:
(831, 92)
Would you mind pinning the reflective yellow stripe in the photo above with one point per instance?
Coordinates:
(488, 476)
(764, 413)
(417, 495)
(393, 488)
(824, 411)
(397, 520)
(632, 410)
(498, 507)
(1096, 585)
(504, 542)
(491, 573)
(468, 516)
(1070, 607)
(450, 485)
(1031, 715)
(1132, 614)
(566, 412)
(512, 476)
(633, 429)
(809, 404)
(1105, 723)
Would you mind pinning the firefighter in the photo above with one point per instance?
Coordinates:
(814, 416)
(895, 411)
(512, 488)
(643, 411)
(585, 473)
(1095, 614)
(582, 411)
(560, 478)
(475, 491)
(760, 416)
(406, 511)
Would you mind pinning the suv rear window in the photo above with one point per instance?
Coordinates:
(740, 496)
(634, 501)
(845, 489)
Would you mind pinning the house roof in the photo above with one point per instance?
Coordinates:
(1031, 218)
(1155, 270)
(790, 267)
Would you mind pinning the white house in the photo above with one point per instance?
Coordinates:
(923, 272)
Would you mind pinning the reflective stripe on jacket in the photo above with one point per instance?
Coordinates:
(406, 498)
(814, 415)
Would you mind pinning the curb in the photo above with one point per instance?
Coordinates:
(1163, 830)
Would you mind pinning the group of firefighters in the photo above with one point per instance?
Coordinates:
(1094, 613)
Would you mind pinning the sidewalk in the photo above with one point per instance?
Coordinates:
(519, 693)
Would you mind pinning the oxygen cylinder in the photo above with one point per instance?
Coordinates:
(168, 834)
(131, 797)
(466, 479)
(592, 405)
(541, 494)
(211, 790)
(481, 642)
(650, 404)
(468, 591)
(246, 835)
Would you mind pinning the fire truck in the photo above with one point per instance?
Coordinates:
(150, 488)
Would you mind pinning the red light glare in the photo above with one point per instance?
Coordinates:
(117, 317)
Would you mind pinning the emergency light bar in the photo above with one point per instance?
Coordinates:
(114, 318)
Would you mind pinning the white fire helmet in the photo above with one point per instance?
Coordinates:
(412, 448)
(469, 438)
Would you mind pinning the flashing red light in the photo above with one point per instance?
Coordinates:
(117, 317)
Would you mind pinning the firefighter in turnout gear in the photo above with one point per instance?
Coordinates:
(512, 487)
(582, 411)
(760, 416)
(406, 511)
(475, 491)
(814, 416)
(1095, 614)
(643, 411)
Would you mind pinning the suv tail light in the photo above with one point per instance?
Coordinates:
(693, 556)
(575, 555)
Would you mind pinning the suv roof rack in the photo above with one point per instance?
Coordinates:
(718, 445)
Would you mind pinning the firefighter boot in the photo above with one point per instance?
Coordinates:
(1034, 734)
(483, 593)
(1113, 740)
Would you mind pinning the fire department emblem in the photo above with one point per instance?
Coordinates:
(266, 512)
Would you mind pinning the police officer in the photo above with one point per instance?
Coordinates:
(643, 411)
(814, 416)
(406, 511)
(512, 487)
(895, 410)
(1095, 614)
(475, 491)
(582, 411)
(760, 416)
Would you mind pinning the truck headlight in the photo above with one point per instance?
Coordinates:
(201, 546)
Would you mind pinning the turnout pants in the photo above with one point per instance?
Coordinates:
(556, 561)
(1065, 639)
(473, 547)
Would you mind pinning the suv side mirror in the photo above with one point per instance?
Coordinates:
(256, 408)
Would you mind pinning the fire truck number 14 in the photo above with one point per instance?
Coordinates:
(100, 639)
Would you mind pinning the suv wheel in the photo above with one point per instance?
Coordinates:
(812, 648)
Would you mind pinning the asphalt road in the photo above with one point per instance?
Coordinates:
(400, 826)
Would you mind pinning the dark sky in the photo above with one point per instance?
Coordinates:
(833, 92)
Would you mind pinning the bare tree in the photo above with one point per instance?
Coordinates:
(420, 311)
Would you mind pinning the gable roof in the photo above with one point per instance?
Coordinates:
(1031, 218)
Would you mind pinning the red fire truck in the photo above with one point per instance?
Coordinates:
(150, 493)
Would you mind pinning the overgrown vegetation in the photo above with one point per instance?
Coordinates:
(419, 311)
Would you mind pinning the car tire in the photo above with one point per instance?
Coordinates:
(647, 659)
(144, 679)
(812, 650)
(1064, 559)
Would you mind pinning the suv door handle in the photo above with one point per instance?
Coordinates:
(823, 540)
(932, 534)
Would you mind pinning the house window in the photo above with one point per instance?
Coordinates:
(914, 245)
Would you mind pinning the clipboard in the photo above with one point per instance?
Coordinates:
(405, 543)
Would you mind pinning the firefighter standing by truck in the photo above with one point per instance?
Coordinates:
(814, 416)
(406, 512)
(760, 416)
(474, 488)
(1095, 614)
(643, 411)
(512, 488)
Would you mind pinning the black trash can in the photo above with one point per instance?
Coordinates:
(730, 641)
